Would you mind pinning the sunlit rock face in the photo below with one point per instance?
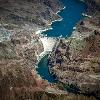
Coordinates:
(48, 43)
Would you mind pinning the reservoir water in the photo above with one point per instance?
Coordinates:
(71, 15)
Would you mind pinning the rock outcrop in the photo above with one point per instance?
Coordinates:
(29, 12)
(76, 60)
(19, 47)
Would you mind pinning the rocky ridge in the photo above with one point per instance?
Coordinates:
(76, 60)
(19, 47)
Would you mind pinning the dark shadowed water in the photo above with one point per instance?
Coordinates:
(71, 15)
(43, 70)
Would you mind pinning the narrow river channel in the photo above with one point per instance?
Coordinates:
(71, 15)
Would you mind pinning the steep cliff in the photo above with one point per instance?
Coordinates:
(19, 47)
(76, 60)
(32, 12)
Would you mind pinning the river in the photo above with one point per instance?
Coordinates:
(71, 15)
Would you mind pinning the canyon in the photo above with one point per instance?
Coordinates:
(20, 48)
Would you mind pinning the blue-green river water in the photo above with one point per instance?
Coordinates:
(71, 15)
